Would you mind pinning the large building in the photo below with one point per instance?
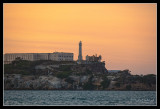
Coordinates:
(56, 56)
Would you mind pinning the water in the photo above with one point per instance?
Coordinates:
(81, 98)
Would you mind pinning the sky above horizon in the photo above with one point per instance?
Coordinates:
(124, 34)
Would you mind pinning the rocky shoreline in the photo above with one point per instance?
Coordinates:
(18, 82)
(54, 75)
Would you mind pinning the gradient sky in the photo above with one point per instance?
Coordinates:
(124, 34)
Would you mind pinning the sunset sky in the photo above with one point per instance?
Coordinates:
(124, 34)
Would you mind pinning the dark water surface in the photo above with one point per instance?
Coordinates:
(83, 98)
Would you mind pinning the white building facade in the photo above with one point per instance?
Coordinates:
(56, 56)
(60, 56)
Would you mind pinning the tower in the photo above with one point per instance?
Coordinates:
(80, 52)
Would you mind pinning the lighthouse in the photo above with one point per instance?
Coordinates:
(80, 52)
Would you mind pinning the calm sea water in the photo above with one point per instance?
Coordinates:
(32, 97)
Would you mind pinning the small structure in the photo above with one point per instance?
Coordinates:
(93, 58)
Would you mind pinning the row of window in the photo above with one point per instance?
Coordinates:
(65, 56)
(64, 59)
(28, 57)
(12, 57)
(40, 57)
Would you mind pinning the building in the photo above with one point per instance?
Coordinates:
(9, 57)
(93, 58)
(60, 56)
(56, 56)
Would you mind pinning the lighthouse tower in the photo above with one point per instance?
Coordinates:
(80, 52)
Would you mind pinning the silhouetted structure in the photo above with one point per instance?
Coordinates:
(93, 58)
(80, 52)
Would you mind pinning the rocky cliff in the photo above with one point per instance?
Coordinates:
(72, 82)
(51, 75)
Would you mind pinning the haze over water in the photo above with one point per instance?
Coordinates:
(124, 34)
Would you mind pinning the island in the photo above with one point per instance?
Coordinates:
(70, 75)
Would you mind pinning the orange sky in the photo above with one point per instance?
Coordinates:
(124, 34)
